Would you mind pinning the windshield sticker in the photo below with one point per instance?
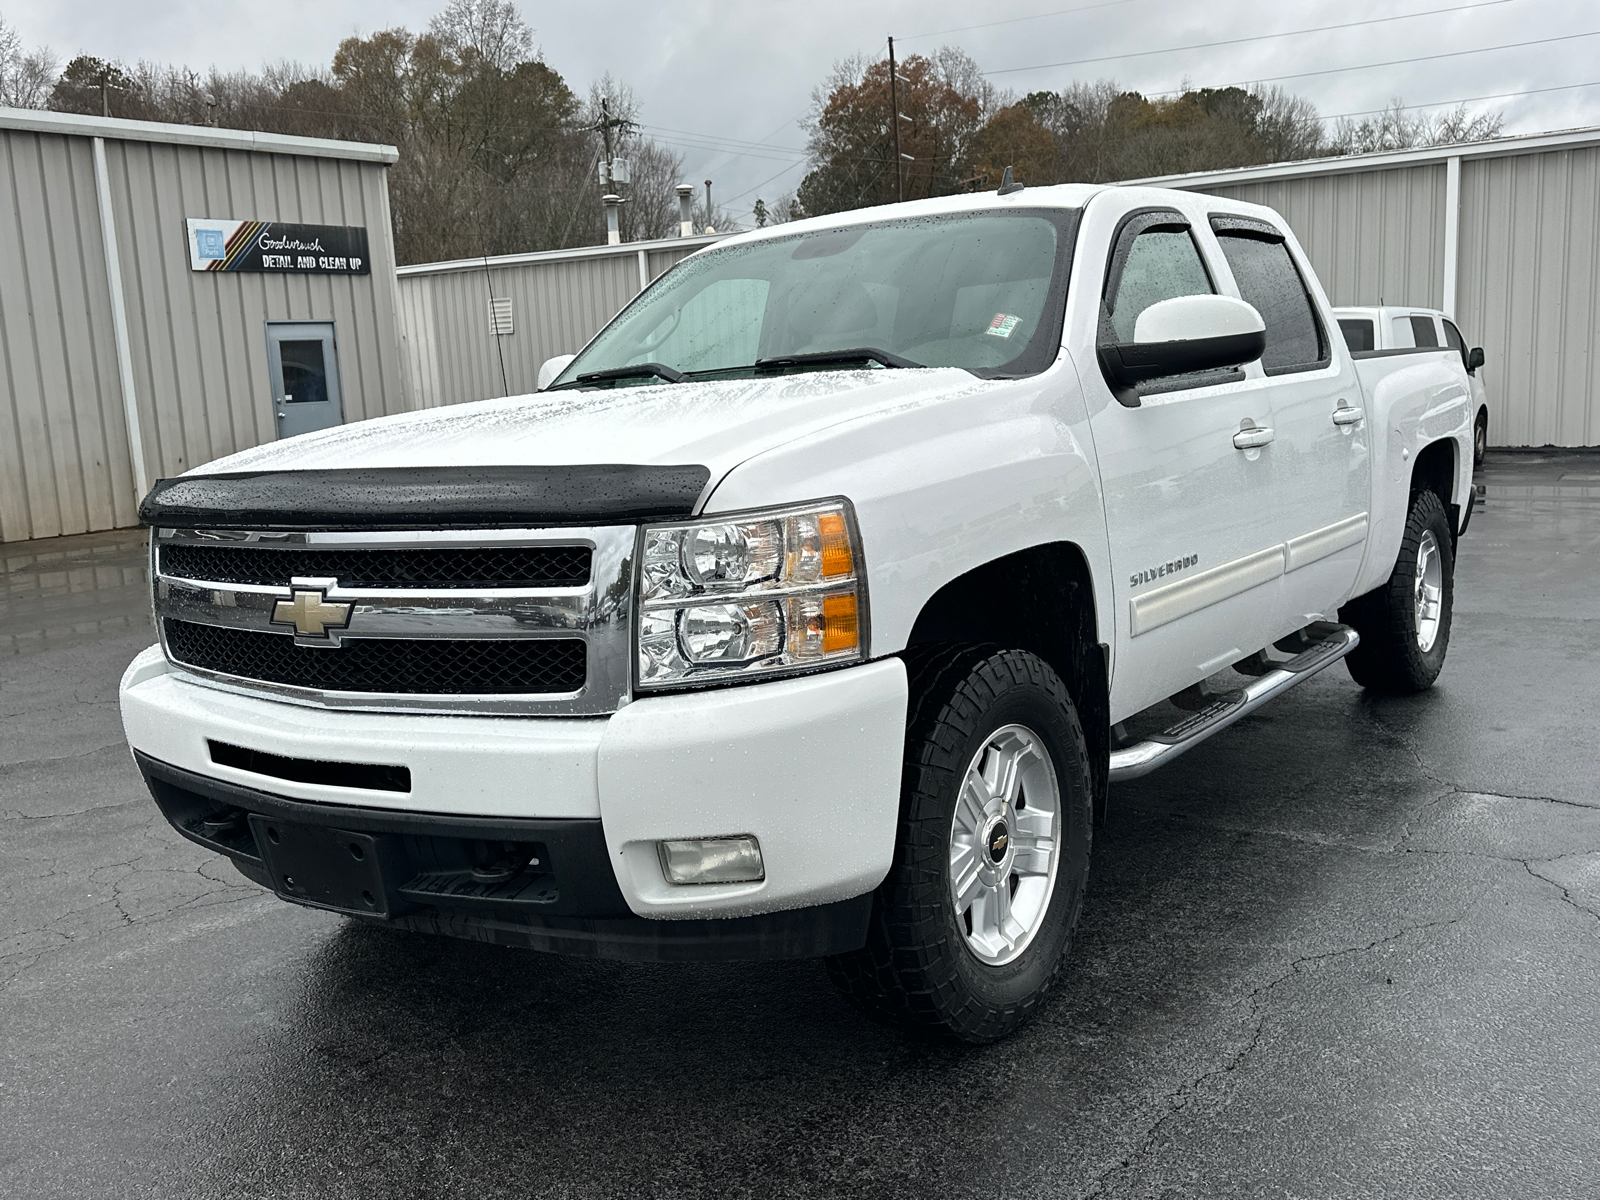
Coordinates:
(1003, 325)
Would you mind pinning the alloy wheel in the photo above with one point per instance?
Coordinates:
(1003, 844)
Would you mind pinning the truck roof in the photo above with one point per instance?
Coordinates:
(1056, 196)
(1384, 311)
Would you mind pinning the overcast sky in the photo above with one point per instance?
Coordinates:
(715, 76)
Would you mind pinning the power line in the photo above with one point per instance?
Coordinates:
(717, 137)
(1565, 87)
(786, 156)
(764, 182)
(1259, 37)
(1060, 12)
(1396, 62)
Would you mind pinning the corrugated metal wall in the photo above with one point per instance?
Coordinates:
(64, 465)
(1530, 291)
(558, 302)
(1370, 236)
(198, 339)
(1528, 269)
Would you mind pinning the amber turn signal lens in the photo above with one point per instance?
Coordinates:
(837, 560)
(840, 629)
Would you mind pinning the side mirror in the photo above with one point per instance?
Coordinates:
(1184, 335)
(553, 367)
(1474, 359)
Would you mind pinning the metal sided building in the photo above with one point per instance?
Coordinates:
(481, 327)
(1503, 235)
(170, 294)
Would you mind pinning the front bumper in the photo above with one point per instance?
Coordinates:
(416, 872)
(809, 766)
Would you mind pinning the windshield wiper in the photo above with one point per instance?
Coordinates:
(827, 358)
(636, 371)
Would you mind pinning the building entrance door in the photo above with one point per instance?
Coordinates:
(303, 362)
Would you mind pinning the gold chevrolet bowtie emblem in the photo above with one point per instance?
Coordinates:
(311, 614)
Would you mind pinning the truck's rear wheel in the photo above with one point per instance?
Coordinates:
(1480, 438)
(1405, 624)
(970, 927)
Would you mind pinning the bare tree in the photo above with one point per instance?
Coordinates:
(26, 77)
(492, 31)
(1398, 128)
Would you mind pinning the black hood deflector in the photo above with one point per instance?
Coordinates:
(426, 497)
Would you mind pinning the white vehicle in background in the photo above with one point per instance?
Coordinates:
(1388, 328)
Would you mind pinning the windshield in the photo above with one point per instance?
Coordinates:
(983, 292)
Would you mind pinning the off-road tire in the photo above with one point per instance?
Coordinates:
(1480, 439)
(916, 968)
(1389, 659)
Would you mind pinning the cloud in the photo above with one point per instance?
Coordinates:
(714, 76)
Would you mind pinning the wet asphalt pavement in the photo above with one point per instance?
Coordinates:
(1350, 947)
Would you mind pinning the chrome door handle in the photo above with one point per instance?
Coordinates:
(1252, 438)
(1345, 415)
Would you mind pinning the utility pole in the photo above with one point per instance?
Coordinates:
(708, 206)
(605, 132)
(894, 119)
(609, 173)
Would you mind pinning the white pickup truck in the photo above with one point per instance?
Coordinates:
(811, 608)
(1386, 327)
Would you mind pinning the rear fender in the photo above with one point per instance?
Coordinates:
(1413, 401)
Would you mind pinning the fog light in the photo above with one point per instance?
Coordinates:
(713, 860)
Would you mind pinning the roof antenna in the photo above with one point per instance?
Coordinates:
(1008, 185)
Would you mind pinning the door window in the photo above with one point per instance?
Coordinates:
(1160, 264)
(305, 373)
(1422, 331)
(1357, 333)
(1453, 339)
(1270, 282)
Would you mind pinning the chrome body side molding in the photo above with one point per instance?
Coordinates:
(1330, 539)
(1167, 603)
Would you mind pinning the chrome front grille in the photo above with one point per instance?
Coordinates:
(407, 666)
(388, 567)
(483, 621)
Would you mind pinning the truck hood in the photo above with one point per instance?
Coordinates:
(715, 424)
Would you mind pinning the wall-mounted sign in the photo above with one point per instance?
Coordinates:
(277, 247)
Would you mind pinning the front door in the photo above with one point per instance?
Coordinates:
(1187, 496)
(303, 365)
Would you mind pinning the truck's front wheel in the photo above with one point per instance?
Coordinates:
(1405, 624)
(971, 925)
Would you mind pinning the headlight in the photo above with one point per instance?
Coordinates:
(750, 594)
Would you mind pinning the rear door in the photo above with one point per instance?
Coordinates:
(1320, 461)
(1187, 513)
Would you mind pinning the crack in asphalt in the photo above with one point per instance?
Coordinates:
(1565, 894)
(1179, 1099)
(18, 765)
(14, 815)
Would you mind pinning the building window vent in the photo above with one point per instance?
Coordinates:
(500, 316)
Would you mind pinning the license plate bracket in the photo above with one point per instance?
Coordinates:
(338, 869)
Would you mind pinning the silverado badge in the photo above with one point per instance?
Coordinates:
(311, 614)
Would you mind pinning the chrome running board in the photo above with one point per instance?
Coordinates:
(1333, 643)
